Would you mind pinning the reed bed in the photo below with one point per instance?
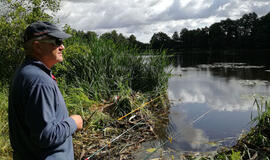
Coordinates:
(105, 69)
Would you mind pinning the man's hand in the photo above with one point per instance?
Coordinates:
(78, 120)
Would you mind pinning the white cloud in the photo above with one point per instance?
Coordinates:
(144, 18)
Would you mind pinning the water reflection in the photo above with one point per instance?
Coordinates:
(185, 135)
(202, 87)
(223, 87)
(227, 89)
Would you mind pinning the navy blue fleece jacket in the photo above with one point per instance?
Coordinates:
(40, 127)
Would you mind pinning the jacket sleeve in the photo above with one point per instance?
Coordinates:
(46, 130)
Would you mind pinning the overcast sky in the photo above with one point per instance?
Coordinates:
(143, 18)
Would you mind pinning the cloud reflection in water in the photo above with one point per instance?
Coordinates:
(202, 87)
(200, 90)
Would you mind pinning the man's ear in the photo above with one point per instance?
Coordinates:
(36, 45)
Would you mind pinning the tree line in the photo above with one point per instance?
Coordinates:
(248, 32)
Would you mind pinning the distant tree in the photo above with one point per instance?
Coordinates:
(106, 36)
(132, 39)
(197, 38)
(121, 39)
(246, 29)
(245, 33)
(217, 36)
(229, 28)
(133, 42)
(175, 36)
(186, 38)
(262, 34)
(90, 35)
(160, 40)
(176, 42)
(114, 36)
(194, 36)
(203, 38)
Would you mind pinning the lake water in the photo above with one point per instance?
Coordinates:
(211, 101)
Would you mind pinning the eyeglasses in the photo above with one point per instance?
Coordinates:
(55, 41)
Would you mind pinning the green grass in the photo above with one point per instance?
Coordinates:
(5, 148)
(263, 111)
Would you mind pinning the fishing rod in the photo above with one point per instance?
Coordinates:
(170, 138)
(111, 141)
(143, 105)
(120, 118)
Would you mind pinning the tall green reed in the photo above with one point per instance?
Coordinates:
(257, 141)
(104, 68)
(263, 111)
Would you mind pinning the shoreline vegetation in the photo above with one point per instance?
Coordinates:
(255, 144)
(102, 81)
(104, 78)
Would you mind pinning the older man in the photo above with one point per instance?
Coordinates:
(40, 127)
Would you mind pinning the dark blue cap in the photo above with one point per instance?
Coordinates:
(39, 28)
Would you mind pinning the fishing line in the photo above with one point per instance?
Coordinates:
(114, 139)
(170, 138)
(143, 105)
(138, 123)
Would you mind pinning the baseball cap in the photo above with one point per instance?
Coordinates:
(40, 28)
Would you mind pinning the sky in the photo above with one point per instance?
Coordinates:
(143, 18)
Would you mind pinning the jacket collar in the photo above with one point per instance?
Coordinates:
(33, 61)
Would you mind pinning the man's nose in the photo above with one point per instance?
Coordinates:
(62, 47)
